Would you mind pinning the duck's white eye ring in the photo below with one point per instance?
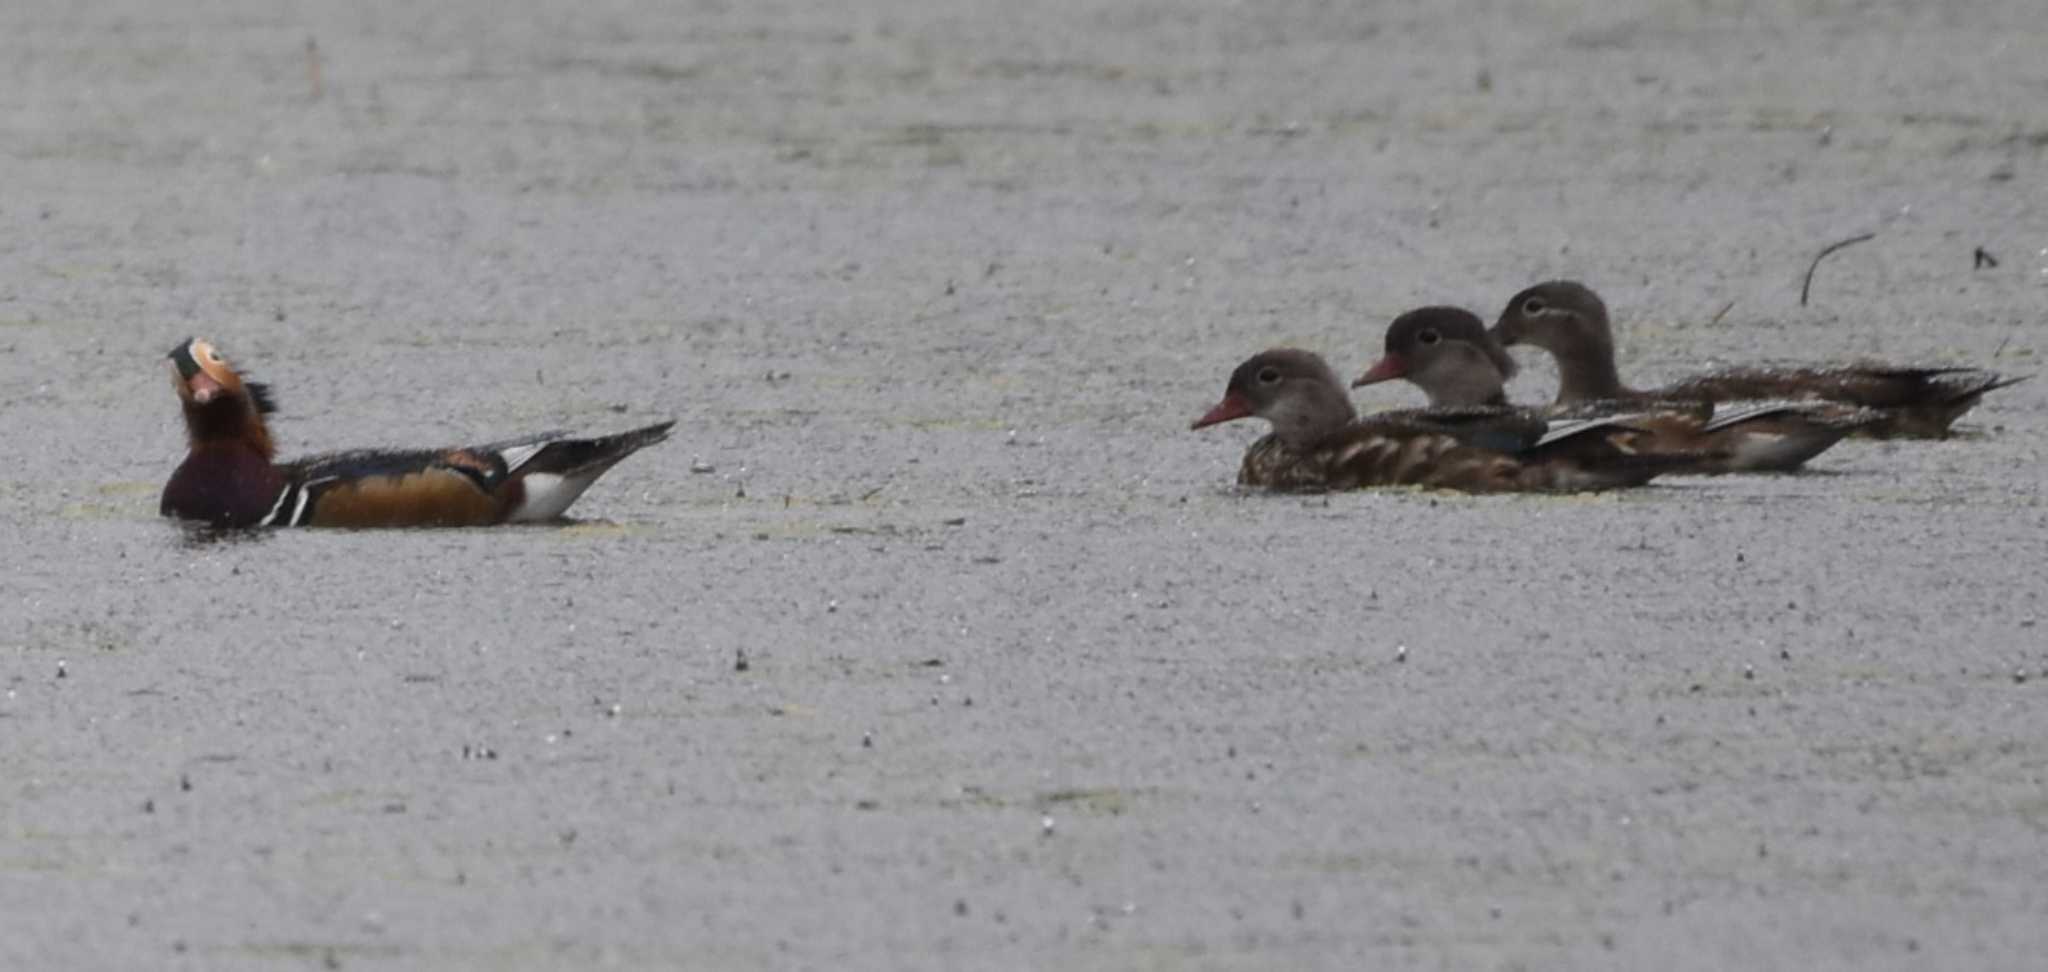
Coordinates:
(1533, 305)
(1269, 375)
(1428, 337)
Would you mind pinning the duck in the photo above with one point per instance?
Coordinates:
(1319, 444)
(1568, 320)
(1448, 353)
(230, 477)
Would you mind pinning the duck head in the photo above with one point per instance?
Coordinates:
(1557, 316)
(1446, 352)
(219, 404)
(1569, 320)
(1294, 390)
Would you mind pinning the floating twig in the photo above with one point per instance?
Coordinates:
(1723, 312)
(1983, 258)
(1807, 287)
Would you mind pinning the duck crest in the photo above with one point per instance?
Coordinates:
(262, 397)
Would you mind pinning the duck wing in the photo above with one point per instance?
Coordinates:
(525, 479)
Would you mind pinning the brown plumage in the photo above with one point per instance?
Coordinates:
(433, 496)
(1318, 442)
(1568, 320)
(1448, 353)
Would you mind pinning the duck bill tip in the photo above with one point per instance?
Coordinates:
(203, 388)
(1389, 368)
(1233, 406)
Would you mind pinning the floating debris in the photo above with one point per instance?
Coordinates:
(315, 84)
(1806, 286)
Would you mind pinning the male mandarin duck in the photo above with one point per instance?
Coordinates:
(1447, 352)
(1569, 321)
(229, 478)
(1319, 443)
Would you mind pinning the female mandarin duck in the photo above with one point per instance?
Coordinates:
(1570, 322)
(1319, 443)
(229, 478)
(1447, 353)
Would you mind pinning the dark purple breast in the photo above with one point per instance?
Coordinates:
(226, 486)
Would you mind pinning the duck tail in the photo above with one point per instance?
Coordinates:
(568, 457)
(1971, 384)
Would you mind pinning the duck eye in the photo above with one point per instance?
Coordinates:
(1268, 375)
(1533, 305)
(1429, 337)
